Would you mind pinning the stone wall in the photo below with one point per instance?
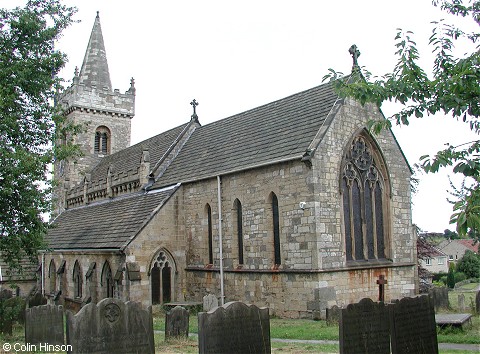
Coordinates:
(93, 287)
(164, 233)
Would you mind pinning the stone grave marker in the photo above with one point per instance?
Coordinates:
(364, 328)
(461, 302)
(44, 324)
(234, 328)
(439, 295)
(36, 300)
(333, 314)
(210, 301)
(5, 294)
(412, 326)
(176, 322)
(111, 326)
(477, 302)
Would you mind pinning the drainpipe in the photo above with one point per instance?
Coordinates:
(219, 191)
(43, 273)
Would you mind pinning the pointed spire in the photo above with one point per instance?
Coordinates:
(94, 71)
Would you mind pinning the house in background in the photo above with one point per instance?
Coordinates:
(431, 258)
(23, 284)
(455, 249)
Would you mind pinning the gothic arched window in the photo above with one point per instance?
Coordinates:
(102, 141)
(77, 280)
(209, 234)
(107, 280)
(364, 189)
(52, 274)
(276, 229)
(238, 216)
(161, 279)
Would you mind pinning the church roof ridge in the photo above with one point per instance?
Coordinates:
(257, 137)
(94, 71)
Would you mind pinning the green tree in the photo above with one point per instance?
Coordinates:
(452, 89)
(451, 275)
(29, 64)
(469, 264)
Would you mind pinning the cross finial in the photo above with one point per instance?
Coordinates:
(76, 71)
(355, 53)
(194, 104)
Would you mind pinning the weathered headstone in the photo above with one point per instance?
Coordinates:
(234, 328)
(364, 328)
(5, 294)
(439, 295)
(477, 302)
(210, 301)
(176, 322)
(44, 324)
(333, 314)
(412, 326)
(323, 298)
(111, 326)
(37, 300)
(461, 302)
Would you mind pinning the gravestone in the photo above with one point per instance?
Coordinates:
(5, 294)
(111, 326)
(333, 314)
(323, 298)
(176, 322)
(234, 328)
(439, 295)
(364, 328)
(461, 302)
(37, 300)
(210, 301)
(477, 302)
(44, 324)
(412, 326)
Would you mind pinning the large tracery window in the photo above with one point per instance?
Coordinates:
(364, 195)
(102, 141)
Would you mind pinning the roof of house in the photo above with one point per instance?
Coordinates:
(277, 131)
(427, 250)
(109, 224)
(469, 244)
(28, 269)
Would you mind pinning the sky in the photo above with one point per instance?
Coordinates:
(232, 56)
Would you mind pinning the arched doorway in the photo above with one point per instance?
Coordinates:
(161, 279)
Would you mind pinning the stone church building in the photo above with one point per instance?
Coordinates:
(292, 205)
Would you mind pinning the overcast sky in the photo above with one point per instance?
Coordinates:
(232, 56)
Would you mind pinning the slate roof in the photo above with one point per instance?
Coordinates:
(276, 131)
(426, 250)
(128, 160)
(108, 224)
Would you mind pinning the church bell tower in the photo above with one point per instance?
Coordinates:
(104, 114)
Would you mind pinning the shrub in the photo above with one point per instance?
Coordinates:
(451, 276)
(459, 276)
(470, 264)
